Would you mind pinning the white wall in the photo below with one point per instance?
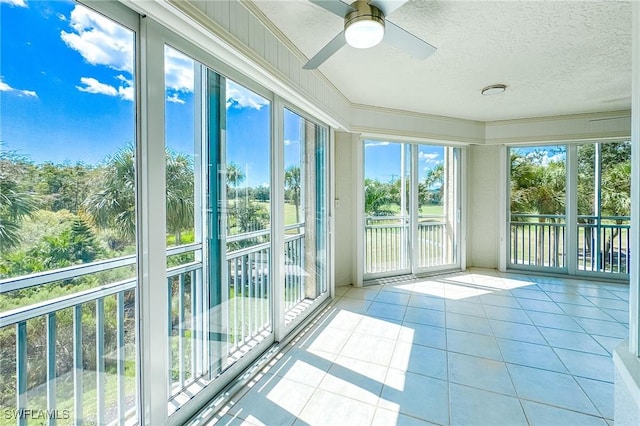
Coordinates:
(483, 201)
(345, 216)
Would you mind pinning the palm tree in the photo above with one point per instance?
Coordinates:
(538, 189)
(292, 184)
(112, 202)
(180, 194)
(235, 176)
(616, 198)
(15, 203)
(434, 179)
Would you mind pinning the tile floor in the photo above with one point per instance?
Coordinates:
(475, 348)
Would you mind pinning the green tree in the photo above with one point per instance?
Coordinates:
(16, 204)
(376, 198)
(235, 177)
(180, 194)
(432, 191)
(292, 186)
(112, 202)
(538, 187)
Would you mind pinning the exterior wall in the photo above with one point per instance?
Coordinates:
(483, 201)
(345, 224)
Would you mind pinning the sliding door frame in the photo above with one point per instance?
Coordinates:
(458, 218)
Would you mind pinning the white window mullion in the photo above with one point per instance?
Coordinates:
(358, 209)
(152, 276)
(571, 210)
(413, 210)
(277, 217)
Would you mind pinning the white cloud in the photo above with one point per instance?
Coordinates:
(91, 85)
(372, 144)
(99, 40)
(4, 87)
(61, 17)
(288, 142)
(178, 70)
(239, 97)
(544, 157)
(175, 99)
(18, 3)
(429, 158)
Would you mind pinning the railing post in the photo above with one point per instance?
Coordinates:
(77, 365)
(21, 371)
(100, 374)
(51, 365)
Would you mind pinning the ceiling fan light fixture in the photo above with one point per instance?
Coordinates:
(364, 26)
(364, 33)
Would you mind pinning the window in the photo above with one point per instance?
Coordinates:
(67, 213)
(411, 208)
(575, 222)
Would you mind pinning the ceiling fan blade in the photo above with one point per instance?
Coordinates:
(404, 40)
(334, 6)
(388, 6)
(329, 49)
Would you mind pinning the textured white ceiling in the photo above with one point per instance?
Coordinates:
(556, 57)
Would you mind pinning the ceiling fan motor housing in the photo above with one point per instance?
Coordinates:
(363, 11)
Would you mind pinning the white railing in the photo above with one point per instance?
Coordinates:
(387, 243)
(74, 354)
(539, 240)
(92, 379)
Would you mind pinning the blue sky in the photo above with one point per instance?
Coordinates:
(67, 89)
(382, 159)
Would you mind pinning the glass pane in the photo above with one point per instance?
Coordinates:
(437, 206)
(604, 201)
(305, 213)
(245, 195)
(67, 179)
(386, 207)
(186, 290)
(538, 217)
(182, 147)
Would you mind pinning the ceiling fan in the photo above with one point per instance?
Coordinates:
(365, 25)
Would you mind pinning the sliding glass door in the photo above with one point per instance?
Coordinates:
(305, 214)
(537, 207)
(411, 203)
(604, 204)
(386, 209)
(570, 207)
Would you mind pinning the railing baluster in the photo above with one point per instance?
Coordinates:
(77, 365)
(21, 371)
(121, 360)
(301, 270)
(170, 331)
(181, 286)
(236, 308)
(51, 364)
(100, 374)
(251, 304)
(192, 324)
(242, 301)
(261, 275)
